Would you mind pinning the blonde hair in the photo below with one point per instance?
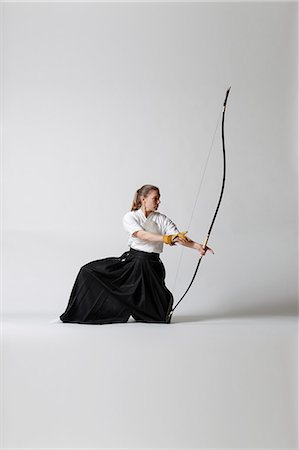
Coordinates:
(143, 191)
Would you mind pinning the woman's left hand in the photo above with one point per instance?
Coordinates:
(187, 242)
(202, 250)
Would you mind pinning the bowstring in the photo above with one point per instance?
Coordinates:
(197, 196)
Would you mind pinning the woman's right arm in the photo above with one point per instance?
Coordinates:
(147, 236)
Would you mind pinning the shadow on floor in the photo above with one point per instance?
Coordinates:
(287, 310)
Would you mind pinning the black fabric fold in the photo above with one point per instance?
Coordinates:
(110, 290)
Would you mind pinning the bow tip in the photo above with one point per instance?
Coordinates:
(226, 96)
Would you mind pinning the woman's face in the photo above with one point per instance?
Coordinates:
(152, 201)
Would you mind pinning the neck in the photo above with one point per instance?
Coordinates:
(145, 212)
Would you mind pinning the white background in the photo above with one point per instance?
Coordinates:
(98, 99)
(102, 98)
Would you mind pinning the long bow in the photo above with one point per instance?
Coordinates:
(216, 211)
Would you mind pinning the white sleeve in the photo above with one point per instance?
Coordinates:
(130, 224)
(170, 227)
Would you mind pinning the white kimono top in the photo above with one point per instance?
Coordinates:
(154, 223)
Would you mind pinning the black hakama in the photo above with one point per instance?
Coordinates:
(110, 290)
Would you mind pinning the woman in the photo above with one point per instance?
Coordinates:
(110, 290)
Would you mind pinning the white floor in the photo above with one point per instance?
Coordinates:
(199, 382)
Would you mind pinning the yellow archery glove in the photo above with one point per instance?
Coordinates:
(183, 236)
(169, 239)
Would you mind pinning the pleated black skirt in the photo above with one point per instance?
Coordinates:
(110, 290)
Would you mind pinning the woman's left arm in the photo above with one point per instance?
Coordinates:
(187, 242)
